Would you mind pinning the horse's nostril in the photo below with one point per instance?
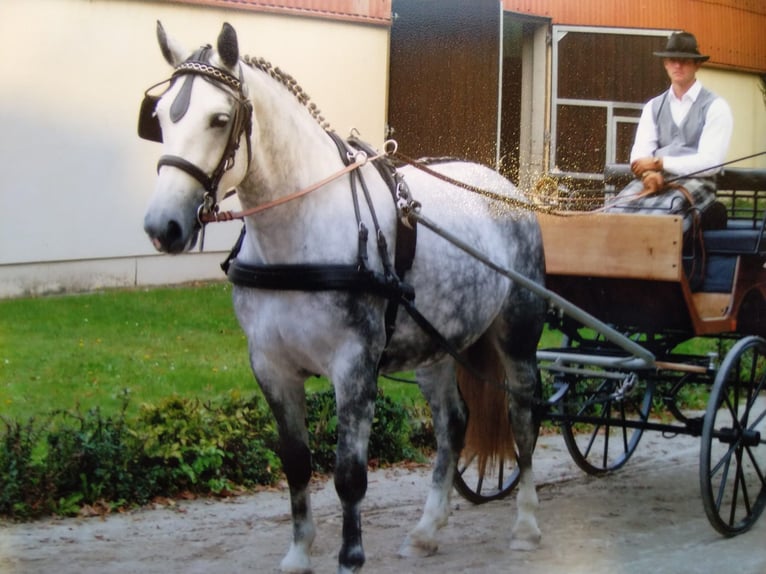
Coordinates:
(167, 237)
(173, 232)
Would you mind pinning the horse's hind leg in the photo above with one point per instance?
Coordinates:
(449, 419)
(523, 380)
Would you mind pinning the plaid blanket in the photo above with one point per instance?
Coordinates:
(668, 201)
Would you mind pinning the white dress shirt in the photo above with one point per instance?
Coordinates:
(713, 144)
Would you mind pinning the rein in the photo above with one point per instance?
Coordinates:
(360, 158)
(510, 201)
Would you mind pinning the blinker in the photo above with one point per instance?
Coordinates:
(148, 123)
(181, 104)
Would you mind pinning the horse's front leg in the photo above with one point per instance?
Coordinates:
(440, 388)
(288, 404)
(355, 390)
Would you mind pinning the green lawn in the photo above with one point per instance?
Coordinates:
(63, 351)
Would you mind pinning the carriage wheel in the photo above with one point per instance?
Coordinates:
(602, 420)
(732, 467)
(498, 479)
(496, 482)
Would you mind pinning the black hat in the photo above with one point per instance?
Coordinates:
(682, 45)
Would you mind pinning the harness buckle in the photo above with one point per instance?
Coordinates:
(209, 206)
(405, 204)
(390, 147)
(356, 157)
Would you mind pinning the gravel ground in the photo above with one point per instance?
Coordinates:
(646, 518)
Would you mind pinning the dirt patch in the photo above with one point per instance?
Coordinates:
(646, 518)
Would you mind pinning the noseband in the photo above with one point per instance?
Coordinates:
(240, 123)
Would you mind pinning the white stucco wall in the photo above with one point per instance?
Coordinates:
(74, 176)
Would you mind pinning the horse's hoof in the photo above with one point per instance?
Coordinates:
(296, 564)
(526, 541)
(411, 548)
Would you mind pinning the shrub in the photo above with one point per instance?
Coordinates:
(20, 477)
(389, 441)
(71, 459)
(206, 447)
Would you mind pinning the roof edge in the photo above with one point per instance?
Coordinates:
(295, 10)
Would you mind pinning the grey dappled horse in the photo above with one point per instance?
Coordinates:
(234, 123)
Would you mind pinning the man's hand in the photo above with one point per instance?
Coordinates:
(644, 164)
(653, 182)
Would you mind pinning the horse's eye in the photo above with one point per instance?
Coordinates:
(219, 121)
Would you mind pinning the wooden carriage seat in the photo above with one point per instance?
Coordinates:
(740, 228)
(735, 225)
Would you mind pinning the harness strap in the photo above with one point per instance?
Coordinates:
(189, 168)
(406, 237)
(319, 277)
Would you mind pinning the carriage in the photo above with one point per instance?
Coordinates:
(637, 273)
(457, 297)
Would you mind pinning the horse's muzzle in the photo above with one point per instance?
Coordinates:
(170, 237)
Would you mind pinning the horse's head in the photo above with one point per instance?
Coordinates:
(202, 119)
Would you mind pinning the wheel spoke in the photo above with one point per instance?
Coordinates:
(756, 465)
(593, 436)
(607, 428)
(480, 483)
(624, 417)
(466, 465)
(743, 483)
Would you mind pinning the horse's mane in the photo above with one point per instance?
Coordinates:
(292, 86)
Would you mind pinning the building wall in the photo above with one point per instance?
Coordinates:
(74, 176)
(730, 31)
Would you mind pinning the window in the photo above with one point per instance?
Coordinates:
(601, 78)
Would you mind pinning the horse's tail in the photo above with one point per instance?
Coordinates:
(489, 436)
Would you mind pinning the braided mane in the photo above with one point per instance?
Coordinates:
(292, 86)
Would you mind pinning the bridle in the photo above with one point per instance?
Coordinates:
(240, 124)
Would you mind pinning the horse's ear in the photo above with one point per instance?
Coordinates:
(171, 50)
(228, 48)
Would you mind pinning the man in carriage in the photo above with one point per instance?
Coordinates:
(682, 136)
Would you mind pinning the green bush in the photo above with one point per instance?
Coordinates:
(389, 442)
(20, 477)
(71, 459)
(206, 447)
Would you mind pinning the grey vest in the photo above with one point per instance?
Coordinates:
(676, 140)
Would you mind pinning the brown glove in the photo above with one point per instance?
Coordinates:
(653, 182)
(644, 164)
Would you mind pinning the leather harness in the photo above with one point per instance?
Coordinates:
(357, 277)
